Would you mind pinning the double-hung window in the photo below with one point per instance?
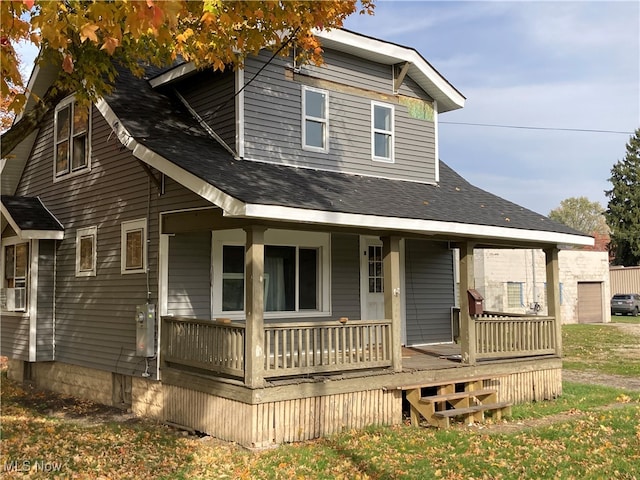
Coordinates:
(295, 278)
(133, 253)
(86, 242)
(315, 119)
(71, 152)
(16, 277)
(382, 132)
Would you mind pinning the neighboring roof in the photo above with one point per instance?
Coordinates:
(30, 219)
(162, 133)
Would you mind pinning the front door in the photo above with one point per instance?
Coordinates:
(371, 279)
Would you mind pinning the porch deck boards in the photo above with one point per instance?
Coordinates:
(431, 357)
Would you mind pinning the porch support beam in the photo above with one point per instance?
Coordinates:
(553, 294)
(254, 307)
(467, 322)
(392, 307)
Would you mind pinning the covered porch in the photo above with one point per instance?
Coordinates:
(254, 348)
(261, 377)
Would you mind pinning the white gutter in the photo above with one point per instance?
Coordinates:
(411, 225)
(151, 158)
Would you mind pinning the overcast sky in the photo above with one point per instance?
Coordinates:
(571, 65)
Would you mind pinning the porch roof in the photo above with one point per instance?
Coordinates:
(30, 219)
(161, 132)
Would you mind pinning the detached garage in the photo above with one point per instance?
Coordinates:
(513, 281)
(590, 302)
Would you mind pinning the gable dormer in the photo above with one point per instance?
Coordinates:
(372, 109)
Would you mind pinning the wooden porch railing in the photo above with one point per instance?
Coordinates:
(290, 348)
(506, 335)
(317, 347)
(213, 346)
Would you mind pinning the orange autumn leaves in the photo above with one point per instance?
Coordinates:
(84, 36)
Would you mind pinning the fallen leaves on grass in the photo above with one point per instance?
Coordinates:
(592, 445)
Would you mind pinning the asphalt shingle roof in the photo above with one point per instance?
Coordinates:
(29, 213)
(158, 121)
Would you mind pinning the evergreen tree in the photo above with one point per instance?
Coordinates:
(623, 209)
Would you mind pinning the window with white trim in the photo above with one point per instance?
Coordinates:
(15, 282)
(86, 245)
(133, 246)
(71, 137)
(515, 298)
(315, 119)
(382, 125)
(296, 274)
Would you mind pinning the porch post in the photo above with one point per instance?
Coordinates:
(392, 307)
(553, 294)
(467, 322)
(254, 307)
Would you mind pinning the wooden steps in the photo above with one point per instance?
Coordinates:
(465, 398)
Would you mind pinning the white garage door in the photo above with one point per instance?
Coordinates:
(590, 302)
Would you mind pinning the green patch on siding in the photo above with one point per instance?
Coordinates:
(420, 109)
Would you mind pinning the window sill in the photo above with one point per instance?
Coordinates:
(273, 315)
(6, 313)
(309, 148)
(65, 176)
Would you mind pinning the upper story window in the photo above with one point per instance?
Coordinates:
(315, 119)
(72, 149)
(86, 240)
(382, 132)
(133, 254)
(16, 277)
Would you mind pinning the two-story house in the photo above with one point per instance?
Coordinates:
(267, 254)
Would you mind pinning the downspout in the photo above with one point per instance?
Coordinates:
(533, 271)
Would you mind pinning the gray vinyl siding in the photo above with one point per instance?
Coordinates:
(211, 95)
(189, 285)
(14, 337)
(46, 282)
(429, 291)
(273, 120)
(94, 325)
(345, 276)
(410, 88)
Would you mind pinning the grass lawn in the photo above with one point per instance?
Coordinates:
(625, 319)
(591, 432)
(586, 442)
(603, 347)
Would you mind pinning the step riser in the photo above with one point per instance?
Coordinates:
(470, 404)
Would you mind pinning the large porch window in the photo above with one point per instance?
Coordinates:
(16, 277)
(296, 270)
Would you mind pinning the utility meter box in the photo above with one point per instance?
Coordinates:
(145, 330)
(475, 302)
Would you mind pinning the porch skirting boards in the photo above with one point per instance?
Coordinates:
(276, 414)
(274, 423)
(529, 386)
